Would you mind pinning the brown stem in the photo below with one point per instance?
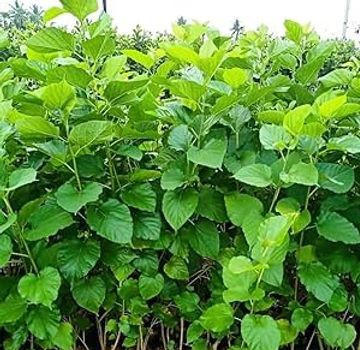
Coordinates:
(181, 333)
(163, 336)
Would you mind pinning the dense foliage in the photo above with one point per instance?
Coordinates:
(211, 201)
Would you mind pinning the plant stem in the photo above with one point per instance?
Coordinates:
(181, 333)
(19, 234)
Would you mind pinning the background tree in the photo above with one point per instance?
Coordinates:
(236, 29)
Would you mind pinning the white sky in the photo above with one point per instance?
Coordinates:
(326, 16)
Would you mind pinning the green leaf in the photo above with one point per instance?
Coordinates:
(204, 239)
(346, 143)
(318, 280)
(52, 13)
(294, 120)
(147, 226)
(139, 57)
(91, 133)
(80, 8)
(340, 76)
(336, 333)
(113, 67)
(301, 319)
(41, 289)
(336, 228)
(12, 309)
(34, 127)
(178, 206)
(211, 155)
(64, 338)
(258, 175)
(11, 219)
(43, 323)
(172, 179)
(336, 177)
(111, 220)
(47, 221)
(217, 318)
(216, 211)
(21, 177)
(176, 268)
(308, 72)
(150, 287)
(240, 264)
(260, 332)
(89, 293)
(288, 331)
(273, 231)
(180, 138)
(72, 200)
(140, 196)
(130, 151)
(6, 249)
(329, 108)
(50, 40)
(59, 96)
(77, 258)
(235, 77)
(301, 173)
(294, 31)
(99, 46)
(274, 137)
(194, 332)
(239, 206)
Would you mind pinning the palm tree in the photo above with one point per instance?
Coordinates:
(236, 29)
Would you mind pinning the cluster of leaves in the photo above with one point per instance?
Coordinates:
(211, 201)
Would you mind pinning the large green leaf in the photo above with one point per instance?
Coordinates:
(89, 293)
(258, 175)
(59, 96)
(260, 332)
(21, 177)
(41, 289)
(336, 333)
(346, 143)
(216, 211)
(91, 133)
(336, 177)
(42, 322)
(34, 127)
(111, 220)
(140, 196)
(178, 206)
(172, 179)
(12, 308)
(318, 280)
(301, 173)
(72, 200)
(211, 155)
(240, 205)
(77, 258)
(176, 268)
(336, 228)
(204, 239)
(47, 221)
(145, 60)
(147, 226)
(150, 287)
(51, 40)
(294, 120)
(274, 137)
(80, 8)
(99, 46)
(309, 71)
(64, 338)
(217, 318)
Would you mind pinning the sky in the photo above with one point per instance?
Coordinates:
(326, 16)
